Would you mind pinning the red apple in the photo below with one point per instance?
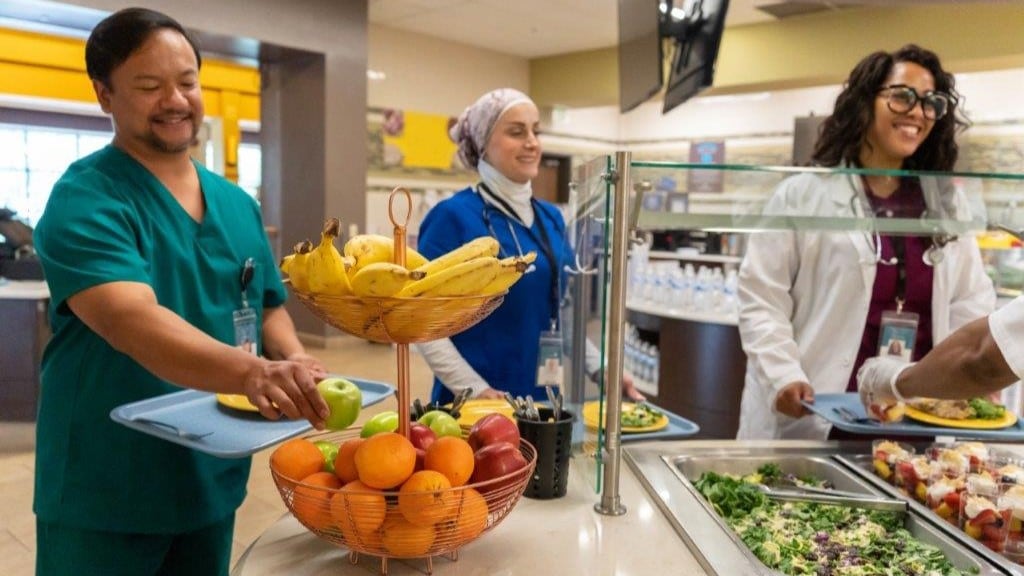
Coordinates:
(421, 435)
(492, 429)
(493, 461)
(421, 457)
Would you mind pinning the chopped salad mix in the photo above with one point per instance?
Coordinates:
(805, 538)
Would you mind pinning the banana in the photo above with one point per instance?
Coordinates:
(382, 279)
(476, 248)
(462, 279)
(512, 269)
(366, 249)
(286, 263)
(326, 268)
(298, 272)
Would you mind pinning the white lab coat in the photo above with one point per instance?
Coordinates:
(1007, 328)
(804, 299)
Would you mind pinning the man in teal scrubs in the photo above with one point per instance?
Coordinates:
(145, 254)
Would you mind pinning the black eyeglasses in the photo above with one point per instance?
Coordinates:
(903, 98)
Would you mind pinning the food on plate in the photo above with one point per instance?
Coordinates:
(811, 538)
(641, 415)
(980, 408)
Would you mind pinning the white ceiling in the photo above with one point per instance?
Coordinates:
(536, 28)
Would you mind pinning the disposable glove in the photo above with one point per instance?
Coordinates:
(876, 382)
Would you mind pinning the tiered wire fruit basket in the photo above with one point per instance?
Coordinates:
(373, 522)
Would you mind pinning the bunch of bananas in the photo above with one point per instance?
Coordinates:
(365, 267)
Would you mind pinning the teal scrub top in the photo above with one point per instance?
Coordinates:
(108, 220)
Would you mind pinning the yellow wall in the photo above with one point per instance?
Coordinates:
(44, 66)
(811, 50)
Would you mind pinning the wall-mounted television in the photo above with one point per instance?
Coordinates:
(693, 31)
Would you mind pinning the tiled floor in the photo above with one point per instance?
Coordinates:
(263, 505)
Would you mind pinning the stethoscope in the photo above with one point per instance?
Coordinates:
(486, 214)
(931, 257)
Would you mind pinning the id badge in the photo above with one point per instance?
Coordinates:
(549, 361)
(245, 329)
(897, 334)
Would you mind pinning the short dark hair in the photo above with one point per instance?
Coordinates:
(844, 132)
(114, 39)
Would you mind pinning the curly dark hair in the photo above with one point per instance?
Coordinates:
(844, 132)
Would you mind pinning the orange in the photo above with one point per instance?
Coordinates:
(425, 498)
(385, 460)
(468, 518)
(311, 501)
(452, 457)
(345, 463)
(404, 539)
(296, 459)
(359, 512)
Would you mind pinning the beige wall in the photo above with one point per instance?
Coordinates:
(811, 50)
(435, 76)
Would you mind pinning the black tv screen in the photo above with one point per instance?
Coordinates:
(640, 57)
(696, 49)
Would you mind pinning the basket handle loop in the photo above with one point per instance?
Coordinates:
(399, 231)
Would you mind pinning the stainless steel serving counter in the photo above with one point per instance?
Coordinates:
(668, 528)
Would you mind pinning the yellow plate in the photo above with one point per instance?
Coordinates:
(236, 401)
(474, 410)
(591, 412)
(1008, 419)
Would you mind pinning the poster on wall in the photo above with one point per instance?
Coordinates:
(705, 180)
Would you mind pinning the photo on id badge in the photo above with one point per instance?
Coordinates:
(245, 329)
(897, 341)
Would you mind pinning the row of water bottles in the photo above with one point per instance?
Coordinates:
(641, 360)
(704, 289)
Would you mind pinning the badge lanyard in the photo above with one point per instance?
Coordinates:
(245, 317)
(897, 333)
(549, 359)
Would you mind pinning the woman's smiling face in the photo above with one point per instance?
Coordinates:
(893, 137)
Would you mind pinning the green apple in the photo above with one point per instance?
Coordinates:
(442, 423)
(330, 452)
(384, 422)
(344, 399)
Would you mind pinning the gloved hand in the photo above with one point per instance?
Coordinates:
(876, 382)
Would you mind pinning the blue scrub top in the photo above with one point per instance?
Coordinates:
(108, 220)
(503, 348)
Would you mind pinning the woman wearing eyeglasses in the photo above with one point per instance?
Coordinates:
(815, 305)
(498, 137)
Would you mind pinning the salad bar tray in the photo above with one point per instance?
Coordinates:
(862, 465)
(677, 475)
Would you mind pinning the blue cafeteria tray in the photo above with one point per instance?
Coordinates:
(678, 427)
(825, 404)
(234, 433)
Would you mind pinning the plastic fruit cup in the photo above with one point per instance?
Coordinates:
(950, 463)
(982, 519)
(911, 476)
(943, 497)
(886, 455)
(977, 454)
(1012, 500)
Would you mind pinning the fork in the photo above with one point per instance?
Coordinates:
(847, 415)
(172, 428)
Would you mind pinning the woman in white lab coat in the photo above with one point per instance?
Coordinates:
(812, 302)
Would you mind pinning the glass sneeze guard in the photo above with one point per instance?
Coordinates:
(756, 199)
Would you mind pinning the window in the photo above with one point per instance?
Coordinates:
(34, 158)
(250, 168)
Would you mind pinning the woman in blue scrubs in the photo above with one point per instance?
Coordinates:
(159, 271)
(498, 137)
